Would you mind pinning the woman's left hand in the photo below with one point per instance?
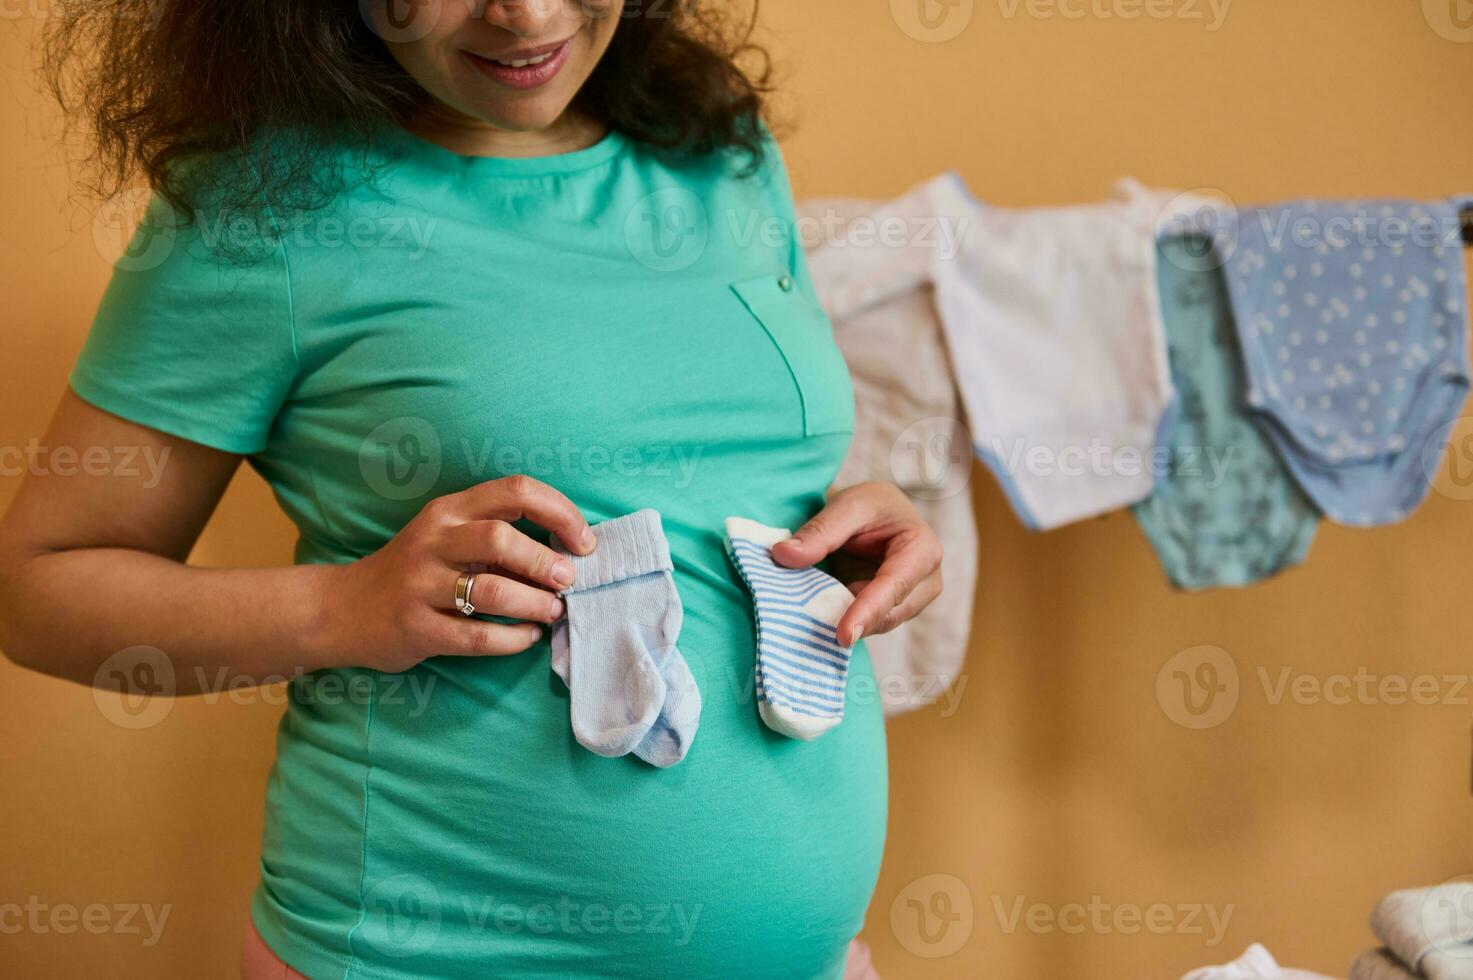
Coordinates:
(875, 526)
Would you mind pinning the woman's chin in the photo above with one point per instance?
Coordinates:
(522, 119)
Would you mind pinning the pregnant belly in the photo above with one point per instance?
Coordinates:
(476, 837)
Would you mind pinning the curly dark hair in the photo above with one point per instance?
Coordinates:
(178, 92)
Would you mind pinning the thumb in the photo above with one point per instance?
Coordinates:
(825, 533)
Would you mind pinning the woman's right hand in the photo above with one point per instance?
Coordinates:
(396, 607)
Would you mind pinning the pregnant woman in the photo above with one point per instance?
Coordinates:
(459, 279)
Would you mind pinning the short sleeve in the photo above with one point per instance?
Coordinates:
(194, 335)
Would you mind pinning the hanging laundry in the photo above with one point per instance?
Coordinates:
(1352, 318)
(1060, 354)
(1227, 513)
(871, 268)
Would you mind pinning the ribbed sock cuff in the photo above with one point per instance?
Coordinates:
(628, 547)
(743, 527)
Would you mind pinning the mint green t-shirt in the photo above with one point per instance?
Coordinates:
(637, 332)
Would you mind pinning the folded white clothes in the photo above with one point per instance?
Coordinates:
(1429, 929)
(1256, 963)
(1380, 964)
(1054, 325)
(871, 268)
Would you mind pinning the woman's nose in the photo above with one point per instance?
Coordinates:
(524, 18)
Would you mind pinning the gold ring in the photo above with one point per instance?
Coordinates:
(463, 586)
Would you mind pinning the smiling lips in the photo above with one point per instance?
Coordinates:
(525, 68)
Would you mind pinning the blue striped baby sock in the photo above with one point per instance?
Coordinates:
(801, 669)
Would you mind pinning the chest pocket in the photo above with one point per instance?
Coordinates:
(800, 330)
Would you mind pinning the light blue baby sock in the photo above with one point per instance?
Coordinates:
(630, 689)
(801, 670)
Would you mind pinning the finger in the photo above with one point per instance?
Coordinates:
(461, 637)
(514, 498)
(911, 563)
(876, 599)
(497, 595)
(498, 543)
(825, 532)
(920, 597)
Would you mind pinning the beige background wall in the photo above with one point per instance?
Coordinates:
(1059, 779)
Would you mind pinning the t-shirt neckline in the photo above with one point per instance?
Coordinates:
(419, 148)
